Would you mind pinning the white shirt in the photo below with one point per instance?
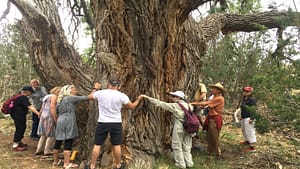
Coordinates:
(110, 103)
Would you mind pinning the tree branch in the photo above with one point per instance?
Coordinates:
(87, 14)
(89, 19)
(228, 23)
(260, 21)
(31, 12)
(188, 6)
(295, 6)
(278, 54)
(55, 60)
(6, 11)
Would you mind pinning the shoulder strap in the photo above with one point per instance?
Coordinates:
(46, 97)
(183, 108)
(16, 97)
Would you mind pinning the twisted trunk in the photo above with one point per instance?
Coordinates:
(144, 44)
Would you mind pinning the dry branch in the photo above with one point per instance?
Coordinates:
(228, 23)
(6, 11)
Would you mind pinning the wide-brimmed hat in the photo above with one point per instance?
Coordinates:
(178, 93)
(218, 86)
(28, 88)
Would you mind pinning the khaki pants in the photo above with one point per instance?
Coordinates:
(212, 135)
(182, 145)
(45, 144)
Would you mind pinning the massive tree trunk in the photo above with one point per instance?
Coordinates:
(153, 47)
(144, 44)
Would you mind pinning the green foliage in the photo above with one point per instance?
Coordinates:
(244, 7)
(214, 9)
(260, 27)
(88, 55)
(251, 109)
(16, 69)
(262, 125)
(231, 63)
(275, 90)
(238, 7)
(241, 59)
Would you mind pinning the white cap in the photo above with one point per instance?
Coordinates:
(178, 94)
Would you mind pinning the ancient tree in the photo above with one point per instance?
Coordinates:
(152, 46)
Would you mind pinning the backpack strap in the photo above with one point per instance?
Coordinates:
(183, 108)
(16, 97)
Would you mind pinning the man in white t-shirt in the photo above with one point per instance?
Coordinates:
(110, 102)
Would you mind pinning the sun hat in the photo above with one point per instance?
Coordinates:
(218, 86)
(178, 93)
(28, 88)
(248, 89)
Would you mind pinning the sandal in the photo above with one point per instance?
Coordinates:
(57, 163)
(38, 153)
(122, 166)
(71, 165)
(47, 154)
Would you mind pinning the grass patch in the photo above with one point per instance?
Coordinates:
(200, 162)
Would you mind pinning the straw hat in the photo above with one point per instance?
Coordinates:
(219, 86)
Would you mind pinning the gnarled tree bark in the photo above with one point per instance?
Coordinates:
(152, 46)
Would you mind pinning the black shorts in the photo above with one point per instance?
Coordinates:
(102, 130)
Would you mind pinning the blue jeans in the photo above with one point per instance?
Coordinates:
(35, 125)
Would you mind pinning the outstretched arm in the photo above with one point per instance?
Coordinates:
(131, 105)
(161, 104)
(97, 86)
(199, 103)
(34, 110)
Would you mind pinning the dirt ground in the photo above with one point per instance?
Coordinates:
(279, 149)
(21, 159)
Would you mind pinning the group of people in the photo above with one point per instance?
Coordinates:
(57, 120)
